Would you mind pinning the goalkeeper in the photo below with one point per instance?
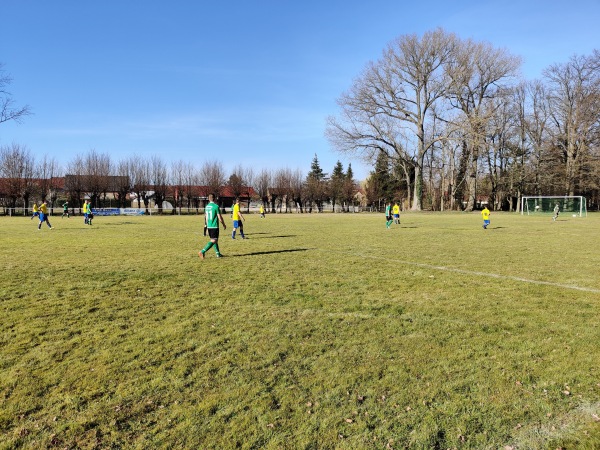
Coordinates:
(556, 212)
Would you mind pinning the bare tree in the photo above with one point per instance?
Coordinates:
(282, 189)
(97, 168)
(249, 178)
(236, 181)
(574, 100)
(139, 170)
(531, 115)
(393, 102)
(48, 172)
(74, 182)
(178, 183)
(31, 185)
(298, 190)
(7, 109)
(262, 185)
(17, 170)
(191, 182)
(478, 73)
(159, 181)
(212, 175)
(123, 186)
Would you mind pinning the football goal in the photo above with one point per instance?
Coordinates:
(574, 205)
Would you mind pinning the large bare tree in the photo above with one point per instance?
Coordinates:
(574, 100)
(390, 107)
(479, 74)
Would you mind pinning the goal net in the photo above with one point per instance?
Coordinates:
(573, 205)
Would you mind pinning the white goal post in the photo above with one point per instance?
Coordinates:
(574, 205)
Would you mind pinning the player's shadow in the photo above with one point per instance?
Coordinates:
(271, 252)
(270, 237)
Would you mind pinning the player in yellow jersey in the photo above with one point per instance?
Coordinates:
(85, 211)
(485, 215)
(396, 213)
(44, 216)
(36, 211)
(238, 219)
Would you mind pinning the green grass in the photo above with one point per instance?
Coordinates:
(320, 331)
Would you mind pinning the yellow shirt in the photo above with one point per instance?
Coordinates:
(43, 208)
(35, 207)
(396, 209)
(236, 212)
(485, 214)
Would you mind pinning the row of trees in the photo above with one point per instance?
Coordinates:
(95, 175)
(447, 121)
(22, 179)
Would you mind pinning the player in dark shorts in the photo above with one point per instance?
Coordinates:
(212, 217)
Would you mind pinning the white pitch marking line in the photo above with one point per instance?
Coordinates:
(483, 274)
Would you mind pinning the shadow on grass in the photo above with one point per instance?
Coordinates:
(117, 224)
(250, 236)
(274, 251)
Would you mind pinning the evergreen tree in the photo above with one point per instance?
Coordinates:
(336, 184)
(380, 183)
(316, 185)
(349, 189)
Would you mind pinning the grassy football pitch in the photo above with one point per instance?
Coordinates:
(322, 331)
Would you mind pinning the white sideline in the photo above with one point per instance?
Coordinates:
(483, 274)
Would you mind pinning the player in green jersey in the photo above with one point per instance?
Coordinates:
(212, 217)
(65, 210)
(388, 214)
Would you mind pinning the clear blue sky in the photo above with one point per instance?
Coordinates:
(243, 82)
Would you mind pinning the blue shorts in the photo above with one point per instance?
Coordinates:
(486, 222)
(237, 223)
(42, 217)
(396, 216)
